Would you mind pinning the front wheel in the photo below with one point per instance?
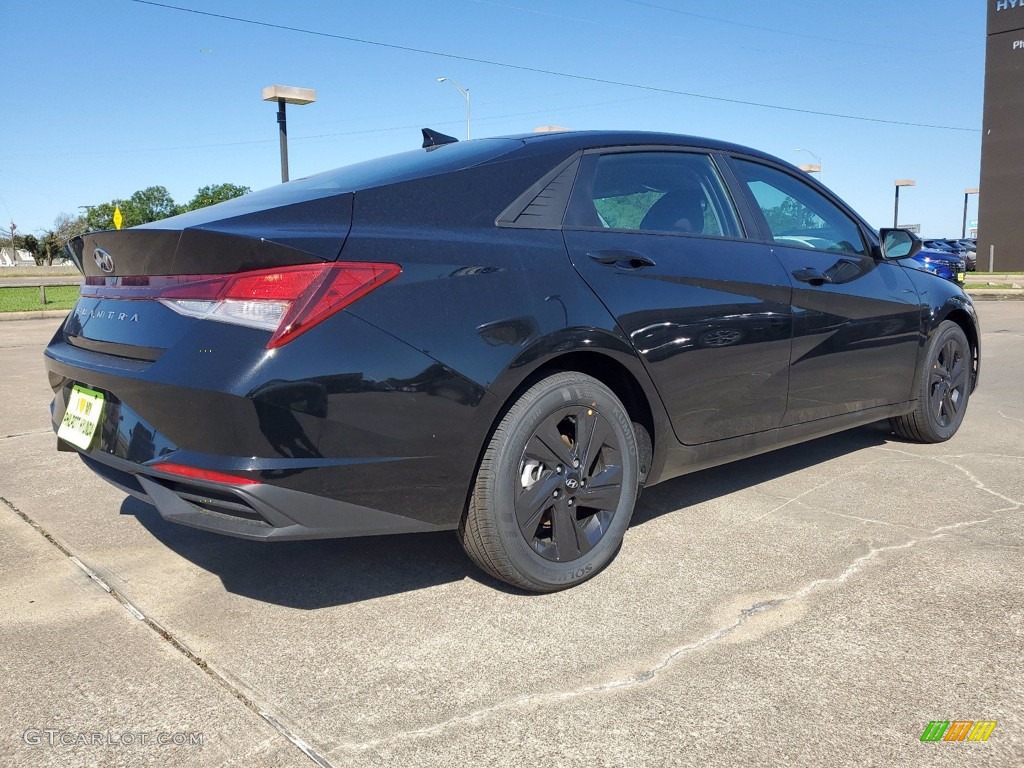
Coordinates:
(556, 487)
(943, 388)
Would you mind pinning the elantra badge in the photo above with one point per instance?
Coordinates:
(103, 260)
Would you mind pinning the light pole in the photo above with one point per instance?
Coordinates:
(14, 248)
(896, 210)
(967, 193)
(810, 168)
(465, 95)
(286, 94)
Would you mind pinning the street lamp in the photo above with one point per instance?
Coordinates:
(810, 168)
(286, 94)
(465, 95)
(967, 193)
(896, 210)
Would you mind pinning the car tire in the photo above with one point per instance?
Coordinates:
(556, 487)
(943, 388)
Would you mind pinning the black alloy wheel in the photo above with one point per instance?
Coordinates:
(570, 483)
(556, 487)
(943, 389)
(947, 382)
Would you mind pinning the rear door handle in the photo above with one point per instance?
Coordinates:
(622, 259)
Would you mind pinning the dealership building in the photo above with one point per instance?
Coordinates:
(1001, 201)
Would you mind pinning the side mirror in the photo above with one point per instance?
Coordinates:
(899, 244)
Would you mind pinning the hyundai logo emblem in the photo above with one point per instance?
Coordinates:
(572, 483)
(103, 260)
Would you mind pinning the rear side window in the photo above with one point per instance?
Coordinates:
(672, 192)
(797, 214)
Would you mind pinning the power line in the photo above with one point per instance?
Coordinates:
(774, 30)
(537, 70)
(390, 129)
(858, 43)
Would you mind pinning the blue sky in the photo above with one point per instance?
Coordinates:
(109, 96)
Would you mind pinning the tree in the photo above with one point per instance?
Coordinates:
(31, 244)
(65, 227)
(791, 217)
(144, 206)
(212, 194)
(150, 204)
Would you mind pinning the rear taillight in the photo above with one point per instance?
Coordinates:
(287, 301)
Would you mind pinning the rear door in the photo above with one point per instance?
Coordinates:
(656, 235)
(856, 319)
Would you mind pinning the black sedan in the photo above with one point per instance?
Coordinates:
(506, 337)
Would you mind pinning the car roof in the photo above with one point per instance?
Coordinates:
(575, 140)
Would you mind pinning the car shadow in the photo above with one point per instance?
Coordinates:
(690, 490)
(319, 574)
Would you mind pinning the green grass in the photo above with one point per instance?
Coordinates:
(26, 299)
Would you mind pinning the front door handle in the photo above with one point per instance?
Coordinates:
(622, 259)
(812, 276)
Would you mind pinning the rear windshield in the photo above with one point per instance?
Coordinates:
(371, 173)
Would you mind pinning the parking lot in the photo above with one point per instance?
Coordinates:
(815, 606)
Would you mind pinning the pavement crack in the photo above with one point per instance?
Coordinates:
(650, 673)
(954, 526)
(803, 493)
(978, 484)
(1011, 418)
(970, 475)
(30, 432)
(175, 642)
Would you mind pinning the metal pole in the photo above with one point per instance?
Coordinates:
(464, 92)
(283, 125)
(896, 211)
(963, 229)
(991, 258)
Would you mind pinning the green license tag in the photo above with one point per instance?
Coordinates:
(81, 418)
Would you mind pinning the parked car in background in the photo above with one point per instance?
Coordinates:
(939, 258)
(507, 338)
(955, 247)
(935, 244)
(968, 252)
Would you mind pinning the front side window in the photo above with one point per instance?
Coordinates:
(671, 192)
(797, 214)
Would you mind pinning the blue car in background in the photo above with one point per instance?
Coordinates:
(943, 263)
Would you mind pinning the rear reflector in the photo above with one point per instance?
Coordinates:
(287, 301)
(201, 474)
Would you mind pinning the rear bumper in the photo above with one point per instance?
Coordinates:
(260, 512)
(334, 428)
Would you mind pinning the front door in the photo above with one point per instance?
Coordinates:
(856, 319)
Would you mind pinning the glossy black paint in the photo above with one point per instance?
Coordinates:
(717, 347)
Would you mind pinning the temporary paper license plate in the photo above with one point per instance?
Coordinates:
(960, 276)
(82, 417)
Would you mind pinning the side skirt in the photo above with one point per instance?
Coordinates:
(683, 459)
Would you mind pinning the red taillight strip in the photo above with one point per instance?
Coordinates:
(201, 474)
(307, 293)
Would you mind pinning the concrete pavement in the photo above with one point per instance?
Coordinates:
(814, 606)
